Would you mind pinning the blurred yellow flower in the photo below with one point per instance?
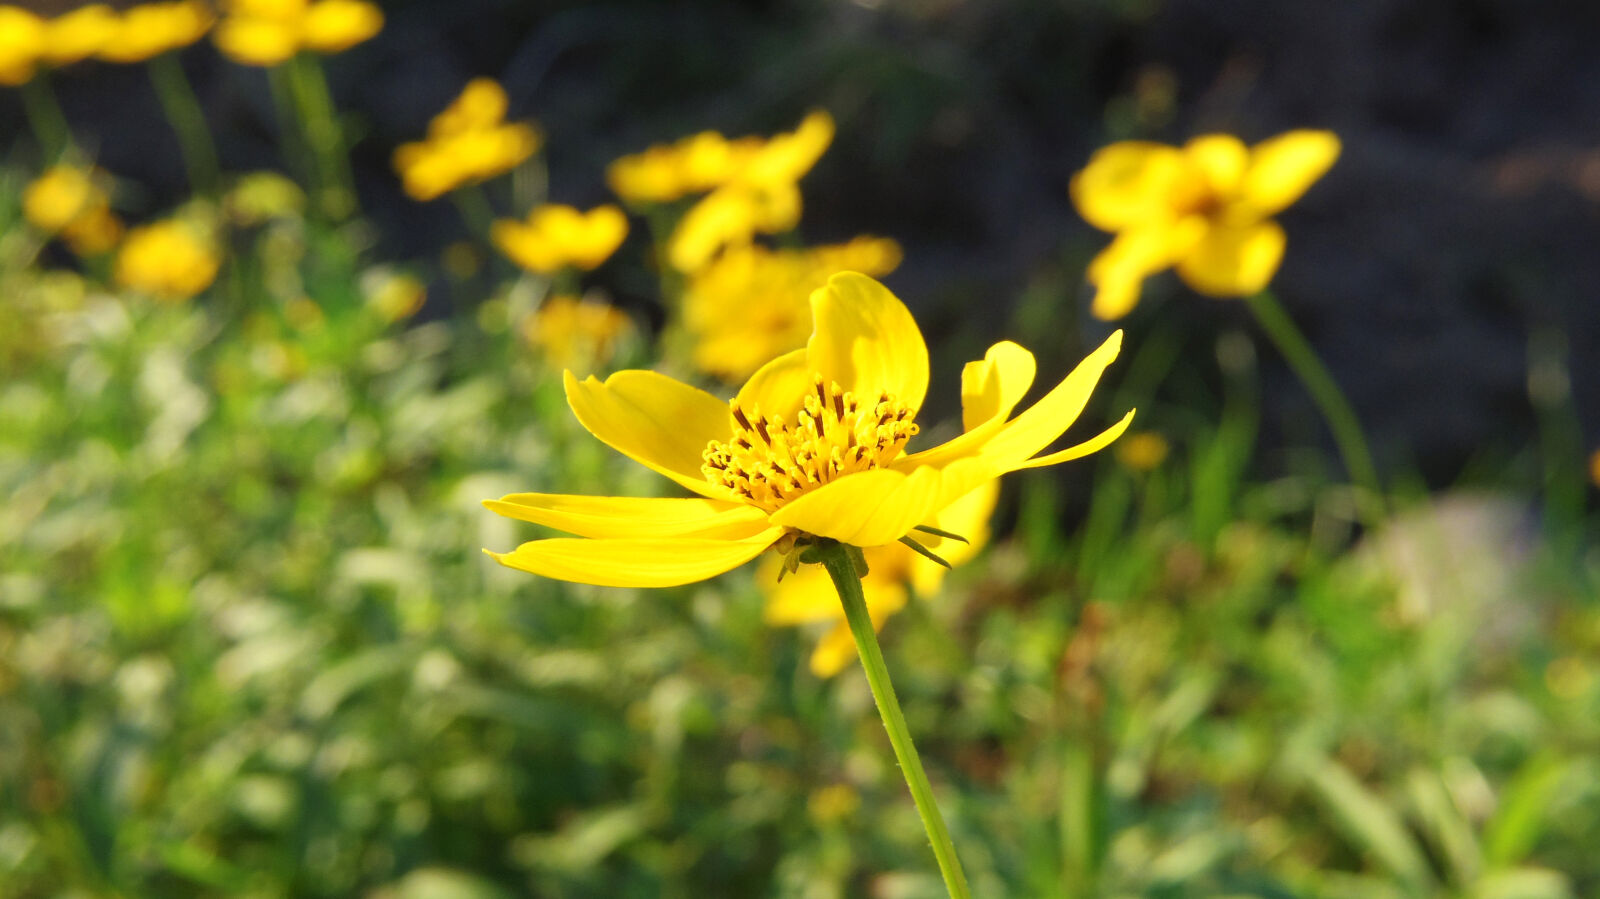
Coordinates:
(1594, 468)
(170, 260)
(71, 202)
(269, 32)
(834, 802)
(151, 29)
(667, 172)
(556, 236)
(760, 196)
(79, 34)
(393, 296)
(807, 596)
(811, 449)
(1142, 451)
(574, 334)
(468, 142)
(748, 305)
(22, 44)
(1205, 208)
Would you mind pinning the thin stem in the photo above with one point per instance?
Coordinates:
(45, 117)
(476, 210)
(1324, 390)
(836, 559)
(309, 85)
(188, 120)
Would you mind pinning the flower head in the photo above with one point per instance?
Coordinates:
(749, 304)
(805, 595)
(556, 236)
(576, 334)
(269, 32)
(812, 447)
(468, 142)
(170, 260)
(79, 34)
(151, 29)
(667, 172)
(71, 202)
(1205, 207)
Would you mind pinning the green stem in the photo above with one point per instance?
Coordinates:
(45, 117)
(309, 85)
(1324, 390)
(475, 209)
(188, 120)
(836, 558)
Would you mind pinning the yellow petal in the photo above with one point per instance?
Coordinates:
(865, 340)
(837, 647)
(1127, 184)
(1120, 269)
(643, 562)
(632, 516)
(654, 420)
(802, 597)
(779, 387)
(868, 508)
(1047, 419)
(255, 42)
(1284, 167)
(968, 516)
(1234, 262)
(992, 387)
(1093, 445)
(331, 26)
(1221, 158)
(79, 34)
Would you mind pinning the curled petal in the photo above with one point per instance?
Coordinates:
(992, 386)
(1284, 167)
(654, 420)
(630, 516)
(1234, 262)
(1047, 419)
(779, 386)
(636, 562)
(866, 340)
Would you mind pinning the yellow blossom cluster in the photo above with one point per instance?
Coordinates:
(748, 305)
(468, 142)
(71, 202)
(29, 41)
(269, 32)
(1205, 208)
(576, 335)
(555, 237)
(170, 260)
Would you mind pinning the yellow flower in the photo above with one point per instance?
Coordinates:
(1143, 451)
(151, 29)
(1594, 468)
(807, 595)
(69, 201)
(557, 236)
(748, 305)
(667, 172)
(393, 296)
(79, 34)
(468, 142)
(170, 260)
(812, 447)
(1205, 208)
(575, 334)
(269, 32)
(761, 195)
(22, 44)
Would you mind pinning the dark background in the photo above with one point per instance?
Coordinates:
(1452, 247)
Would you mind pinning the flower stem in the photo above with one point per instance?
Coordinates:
(1324, 390)
(836, 558)
(188, 120)
(309, 86)
(45, 117)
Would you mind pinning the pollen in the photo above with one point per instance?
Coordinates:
(770, 461)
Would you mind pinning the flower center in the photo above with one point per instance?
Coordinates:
(769, 461)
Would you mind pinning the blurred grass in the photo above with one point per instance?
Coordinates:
(249, 646)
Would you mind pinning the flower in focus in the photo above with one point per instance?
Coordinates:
(151, 29)
(761, 195)
(468, 142)
(811, 448)
(71, 202)
(576, 334)
(667, 172)
(1205, 208)
(556, 236)
(748, 305)
(269, 32)
(807, 595)
(170, 260)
